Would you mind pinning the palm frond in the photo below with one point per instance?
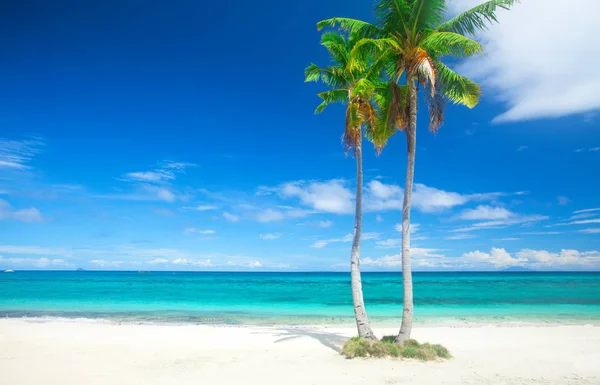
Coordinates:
(362, 88)
(477, 18)
(359, 27)
(332, 96)
(337, 45)
(394, 16)
(391, 100)
(450, 43)
(457, 88)
(426, 14)
(352, 128)
(435, 103)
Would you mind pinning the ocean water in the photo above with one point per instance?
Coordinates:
(298, 298)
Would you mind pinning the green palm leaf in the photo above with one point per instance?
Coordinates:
(477, 18)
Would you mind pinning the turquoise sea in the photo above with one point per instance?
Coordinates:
(298, 298)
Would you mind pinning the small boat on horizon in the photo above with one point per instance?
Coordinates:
(9, 271)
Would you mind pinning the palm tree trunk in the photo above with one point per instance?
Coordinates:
(360, 313)
(411, 136)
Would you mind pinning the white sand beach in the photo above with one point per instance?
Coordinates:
(69, 353)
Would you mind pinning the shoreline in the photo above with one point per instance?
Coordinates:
(306, 322)
(67, 353)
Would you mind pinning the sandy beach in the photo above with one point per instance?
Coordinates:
(71, 352)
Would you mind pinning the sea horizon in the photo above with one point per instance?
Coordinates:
(299, 298)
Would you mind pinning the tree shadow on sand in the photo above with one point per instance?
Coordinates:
(330, 340)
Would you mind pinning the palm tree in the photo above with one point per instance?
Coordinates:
(414, 37)
(355, 88)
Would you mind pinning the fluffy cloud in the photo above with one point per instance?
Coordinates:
(336, 197)
(8, 213)
(347, 238)
(495, 259)
(270, 236)
(330, 197)
(520, 48)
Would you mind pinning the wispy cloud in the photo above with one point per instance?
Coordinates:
(200, 208)
(165, 172)
(562, 200)
(493, 218)
(193, 230)
(8, 213)
(591, 149)
(522, 148)
(35, 262)
(460, 237)
(270, 236)
(152, 185)
(17, 154)
(271, 215)
(590, 231)
(231, 217)
(347, 238)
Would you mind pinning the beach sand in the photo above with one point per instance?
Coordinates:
(71, 352)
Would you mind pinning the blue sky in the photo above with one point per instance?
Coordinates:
(181, 136)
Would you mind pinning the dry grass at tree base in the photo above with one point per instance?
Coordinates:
(360, 347)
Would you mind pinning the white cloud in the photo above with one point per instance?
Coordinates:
(231, 217)
(562, 200)
(165, 172)
(335, 197)
(270, 215)
(414, 227)
(482, 212)
(8, 213)
(519, 48)
(522, 220)
(35, 263)
(105, 263)
(429, 199)
(379, 218)
(330, 197)
(158, 261)
(270, 236)
(204, 208)
(541, 232)
(325, 224)
(193, 230)
(17, 154)
(509, 239)
(460, 237)
(586, 210)
(347, 238)
(496, 257)
(590, 231)
(580, 222)
(522, 148)
(389, 243)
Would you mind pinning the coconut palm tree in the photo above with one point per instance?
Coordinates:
(357, 89)
(414, 37)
